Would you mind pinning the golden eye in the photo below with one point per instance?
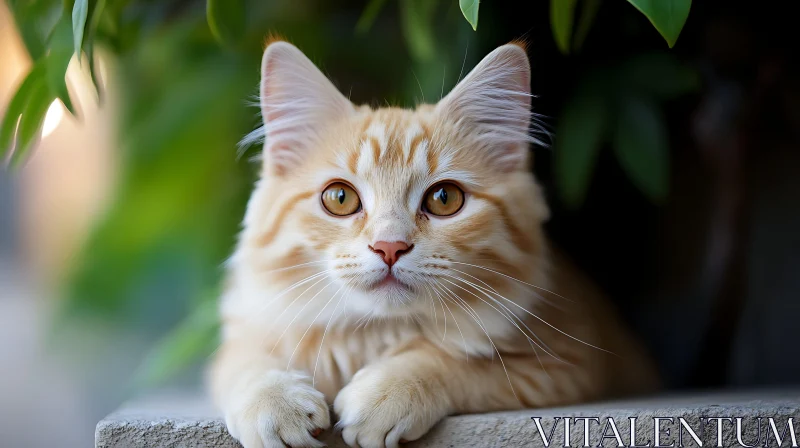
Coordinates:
(340, 199)
(443, 199)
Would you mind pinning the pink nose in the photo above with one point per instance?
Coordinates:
(390, 252)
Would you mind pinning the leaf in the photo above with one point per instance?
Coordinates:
(94, 23)
(580, 133)
(31, 120)
(562, 13)
(640, 143)
(668, 16)
(15, 108)
(192, 340)
(417, 22)
(57, 61)
(470, 10)
(80, 11)
(369, 15)
(588, 13)
(35, 20)
(661, 75)
(227, 19)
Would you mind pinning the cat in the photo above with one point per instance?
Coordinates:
(393, 264)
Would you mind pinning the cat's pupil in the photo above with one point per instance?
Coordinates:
(341, 196)
(441, 195)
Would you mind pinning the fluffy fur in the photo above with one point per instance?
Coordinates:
(485, 316)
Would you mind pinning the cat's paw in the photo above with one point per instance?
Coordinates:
(381, 408)
(282, 409)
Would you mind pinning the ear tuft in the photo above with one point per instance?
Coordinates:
(493, 102)
(521, 43)
(297, 103)
(273, 37)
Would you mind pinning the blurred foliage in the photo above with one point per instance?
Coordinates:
(621, 104)
(189, 341)
(667, 16)
(185, 69)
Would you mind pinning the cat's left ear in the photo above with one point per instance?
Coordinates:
(494, 103)
(297, 103)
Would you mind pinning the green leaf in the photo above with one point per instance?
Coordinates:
(588, 13)
(470, 10)
(80, 11)
(580, 133)
(34, 79)
(35, 20)
(94, 22)
(668, 16)
(661, 75)
(640, 143)
(417, 22)
(30, 123)
(369, 15)
(191, 341)
(57, 61)
(93, 71)
(227, 19)
(562, 14)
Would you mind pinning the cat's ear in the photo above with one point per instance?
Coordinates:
(297, 102)
(494, 103)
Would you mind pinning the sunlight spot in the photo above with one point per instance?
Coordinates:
(53, 118)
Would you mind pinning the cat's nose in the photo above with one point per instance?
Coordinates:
(390, 252)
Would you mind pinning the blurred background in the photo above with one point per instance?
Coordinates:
(673, 174)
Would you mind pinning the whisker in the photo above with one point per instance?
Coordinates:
(433, 305)
(295, 266)
(544, 347)
(442, 302)
(435, 317)
(551, 326)
(313, 321)
(444, 72)
(322, 341)
(512, 278)
(538, 296)
(420, 86)
(287, 290)
(506, 315)
(532, 343)
(508, 377)
(298, 314)
(450, 295)
(286, 308)
(463, 63)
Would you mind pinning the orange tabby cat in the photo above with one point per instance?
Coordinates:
(393, 264)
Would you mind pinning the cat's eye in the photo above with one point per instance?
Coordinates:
(443, 199)
(340, 199)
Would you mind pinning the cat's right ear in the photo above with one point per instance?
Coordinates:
(297, 101)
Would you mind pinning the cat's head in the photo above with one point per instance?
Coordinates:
(391, 208)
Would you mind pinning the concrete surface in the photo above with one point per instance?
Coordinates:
(180, 421)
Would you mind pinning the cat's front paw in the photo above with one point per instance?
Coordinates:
(282, 409)
(381, 407)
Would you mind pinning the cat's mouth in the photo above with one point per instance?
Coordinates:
(390, 281)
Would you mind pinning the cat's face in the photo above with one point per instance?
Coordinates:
(385, 212)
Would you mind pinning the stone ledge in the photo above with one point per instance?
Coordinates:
(181, 421)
